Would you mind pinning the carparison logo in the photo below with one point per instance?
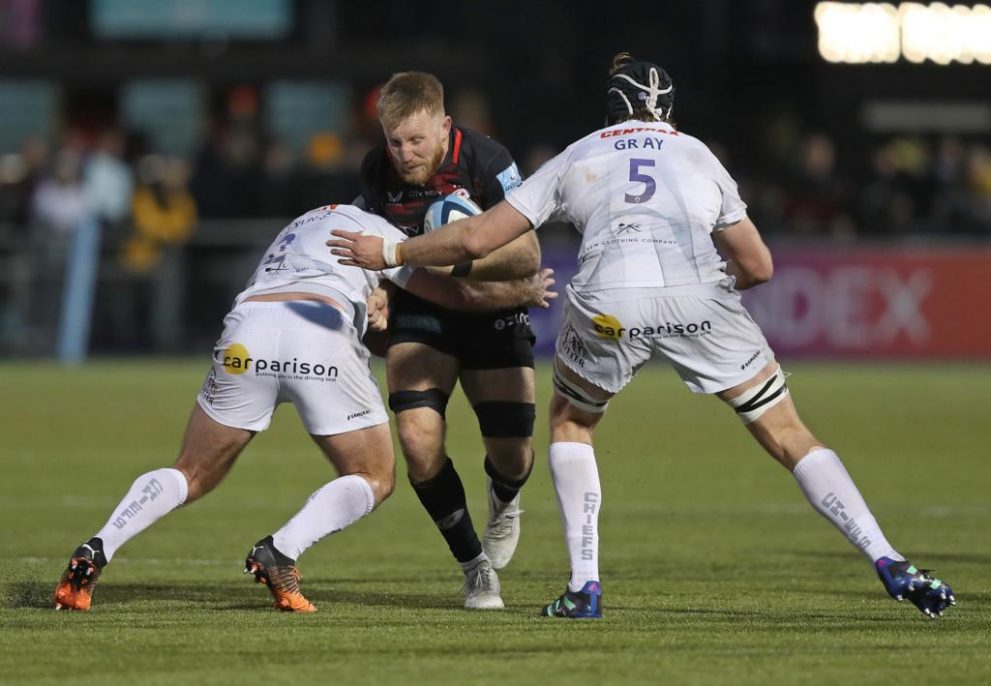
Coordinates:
(609, 327)
(237, 360)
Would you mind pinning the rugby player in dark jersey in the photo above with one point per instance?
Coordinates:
(425, 157)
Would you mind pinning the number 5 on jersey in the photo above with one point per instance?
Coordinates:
(636, 176)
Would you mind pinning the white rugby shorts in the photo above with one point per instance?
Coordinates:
(301, 351)
(704, 331)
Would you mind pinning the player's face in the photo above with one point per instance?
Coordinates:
(418, 144)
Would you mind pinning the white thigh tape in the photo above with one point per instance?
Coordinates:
(576, 396)
(754, 402)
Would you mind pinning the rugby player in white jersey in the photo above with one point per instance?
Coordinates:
(656, 210)
(294, 335)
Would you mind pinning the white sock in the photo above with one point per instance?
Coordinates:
(151, 497)
(334, 506)
(829, 488)
(579, 497)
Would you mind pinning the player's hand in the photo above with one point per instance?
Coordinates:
(378, 310)
(728, 282)
(541, 289)
(358, 249)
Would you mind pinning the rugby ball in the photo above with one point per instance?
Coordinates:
(449, 209)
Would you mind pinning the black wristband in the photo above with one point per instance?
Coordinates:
(463, 269)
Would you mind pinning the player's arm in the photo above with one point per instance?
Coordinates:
(466, 239)
(472, 238)
(748, 259)
(519, 259)
(456, 294)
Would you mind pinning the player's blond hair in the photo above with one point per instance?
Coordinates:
(408, 93)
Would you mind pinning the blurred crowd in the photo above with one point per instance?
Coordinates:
(902, 186)
(798, 185)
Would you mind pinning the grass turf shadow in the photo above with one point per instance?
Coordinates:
(39, 595)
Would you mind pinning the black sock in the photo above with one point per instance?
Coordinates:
(444, 499)
(505, 489)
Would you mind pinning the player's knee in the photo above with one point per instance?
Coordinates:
(433, 398)
(504, 419)
(383, 483)
(423, 450)
(511, 463)
(199, 482)
(421, 471)
(564, 412)
(571, 432)
(794, 443)
(420, 440)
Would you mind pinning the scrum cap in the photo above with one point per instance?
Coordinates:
(635, 85)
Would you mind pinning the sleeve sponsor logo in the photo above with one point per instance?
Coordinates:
(509, 177)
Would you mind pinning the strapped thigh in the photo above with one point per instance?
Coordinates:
(757, 400)
(575, 395)
(434, 398)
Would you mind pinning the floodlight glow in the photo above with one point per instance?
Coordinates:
(857, 33)
(875, 32)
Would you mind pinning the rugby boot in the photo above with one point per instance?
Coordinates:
(279, 573)
(75, 589)
(481, 589)
(502, 531)
(904, 581)
(583, 604)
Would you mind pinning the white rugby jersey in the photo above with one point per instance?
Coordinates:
(299, 260)
(645, 198)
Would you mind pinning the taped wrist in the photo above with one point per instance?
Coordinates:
(390, 253)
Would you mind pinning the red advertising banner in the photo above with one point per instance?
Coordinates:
(882, 302)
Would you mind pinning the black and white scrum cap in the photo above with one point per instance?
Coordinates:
(639, 84)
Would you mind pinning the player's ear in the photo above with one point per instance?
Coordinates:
(446, 124)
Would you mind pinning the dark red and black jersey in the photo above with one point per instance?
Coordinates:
(473, 162)
(479, 165)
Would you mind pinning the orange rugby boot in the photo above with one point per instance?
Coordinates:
(75, 588)
(279, 573)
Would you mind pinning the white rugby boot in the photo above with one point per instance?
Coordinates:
(502, 531)
(481, 589)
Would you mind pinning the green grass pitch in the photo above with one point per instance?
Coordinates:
(715, 570)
